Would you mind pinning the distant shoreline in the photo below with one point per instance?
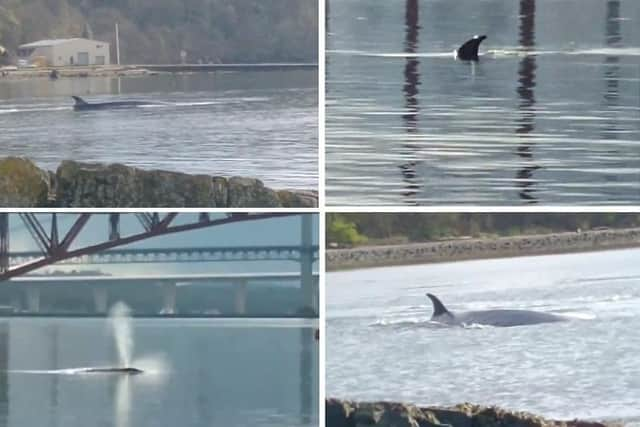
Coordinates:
(145, 69)
(471, 249)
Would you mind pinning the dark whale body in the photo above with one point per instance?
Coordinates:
(469, 50)
(128, 371)
(501, 318)
(82, 105)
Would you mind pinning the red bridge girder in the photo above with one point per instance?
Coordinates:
(56, 250)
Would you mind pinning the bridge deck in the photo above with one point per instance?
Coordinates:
(166, 278)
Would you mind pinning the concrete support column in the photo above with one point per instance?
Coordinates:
(306, 261)
(33, 299)
(100, 299)
(16, 303)
(240, 287)
(169, 291)
(4, 242)
(316, 295)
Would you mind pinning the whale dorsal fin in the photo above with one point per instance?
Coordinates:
(438, 307)
(79, 101)
(469, 50)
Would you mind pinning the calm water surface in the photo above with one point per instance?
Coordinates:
(197, 373)
(227, 123)
(381, 344)
(550, 114)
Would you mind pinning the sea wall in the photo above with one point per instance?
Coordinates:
(344, 413)
(75, 184)
(458, 250)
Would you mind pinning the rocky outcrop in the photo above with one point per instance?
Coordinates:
(78, 184)
(22, 183)
(458, 250)
(344, 413)
(293, 199)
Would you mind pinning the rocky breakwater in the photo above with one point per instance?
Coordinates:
(75, 184)
(465, 249)
(344, 413)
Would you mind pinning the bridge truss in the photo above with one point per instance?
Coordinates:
(55, 247)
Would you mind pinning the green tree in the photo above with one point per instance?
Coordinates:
(343, 232)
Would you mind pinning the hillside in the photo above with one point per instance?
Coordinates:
(388, 228)
(155, 31)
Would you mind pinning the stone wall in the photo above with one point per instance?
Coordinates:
(74, 184)
(458, 250)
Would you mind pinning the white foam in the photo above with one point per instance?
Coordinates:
(578, 315)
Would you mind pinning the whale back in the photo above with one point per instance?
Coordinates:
(505, 318)
(499, 317)
(114, 370)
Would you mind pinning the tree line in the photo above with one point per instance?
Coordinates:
(348, 229)
(157, 31)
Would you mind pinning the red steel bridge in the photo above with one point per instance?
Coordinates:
(56, 247)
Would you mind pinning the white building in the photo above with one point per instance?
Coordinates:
(65, 52)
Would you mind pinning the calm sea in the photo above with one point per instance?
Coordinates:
(382, 346)
(550, 114)
(261, 124)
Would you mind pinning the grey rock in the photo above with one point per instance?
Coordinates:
(76, 184)
(338, 413)
(344, 413)
(251, 193)
(298, 199)
(22, 183)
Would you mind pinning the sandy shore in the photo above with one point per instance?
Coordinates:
(468, 249)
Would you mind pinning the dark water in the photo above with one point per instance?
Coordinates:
(197, 373)
(382, 346)
(550, 114)
(256, 124)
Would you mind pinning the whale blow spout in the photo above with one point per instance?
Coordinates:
(469, 50)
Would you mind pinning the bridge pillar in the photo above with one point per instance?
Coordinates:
(16, 302)
(100, 299)
(315, 299)
(306, 262)
(4, 242)
(33, 299)
(169, 291)
(114, 226)
(240, 286)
